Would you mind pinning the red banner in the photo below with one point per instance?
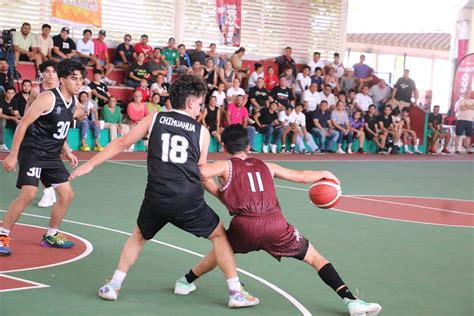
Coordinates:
(463, 79)
(228, 14)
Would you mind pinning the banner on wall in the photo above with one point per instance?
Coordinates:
(228, 14)
(81, 12)
(463, 81)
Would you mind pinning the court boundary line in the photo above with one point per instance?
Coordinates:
(36, 284)
(304, 311)
(325, 160)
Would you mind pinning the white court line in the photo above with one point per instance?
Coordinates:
(411, 205)
(304, 311)
(326, 160)
(35, 285)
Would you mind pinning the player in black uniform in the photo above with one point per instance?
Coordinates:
(38, 142)
(177, 145)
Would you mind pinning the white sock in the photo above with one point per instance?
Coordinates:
(4, 231)
(51, 231)
(117, 279)
(406, 147)
(416, 148)
(234, 284)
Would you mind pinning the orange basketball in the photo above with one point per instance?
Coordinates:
(325, 193)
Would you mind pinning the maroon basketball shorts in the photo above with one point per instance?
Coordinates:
(272, 234)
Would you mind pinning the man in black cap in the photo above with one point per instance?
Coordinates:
(63, 46)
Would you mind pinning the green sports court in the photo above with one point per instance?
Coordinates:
(412, 255)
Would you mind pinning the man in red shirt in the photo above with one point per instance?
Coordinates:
(142, 47)
(101, 50)
(248, 191)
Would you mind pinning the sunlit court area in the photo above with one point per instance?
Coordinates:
(236, 157)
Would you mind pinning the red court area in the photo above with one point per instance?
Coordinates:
(414, 209)
(27, 254)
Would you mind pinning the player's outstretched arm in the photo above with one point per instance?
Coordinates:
(300, 176)
(42, 104)
(116, 147)
(215, 169)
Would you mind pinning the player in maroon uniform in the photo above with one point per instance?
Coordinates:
(248, 191)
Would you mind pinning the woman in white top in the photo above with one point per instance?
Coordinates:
(234, 91)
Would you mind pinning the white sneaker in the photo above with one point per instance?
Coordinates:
(340, 151)
(108, 292)
(273, 148)
(182, 287)
(349, 151)
(4, 148)
(242, 299)
(361, 308)
(265, 149)
(48, 198)
(408, 151)
(418, 152)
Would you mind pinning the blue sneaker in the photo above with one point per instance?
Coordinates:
(56, 241)
(4, 246)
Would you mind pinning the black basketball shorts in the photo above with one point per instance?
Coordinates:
(33, 168)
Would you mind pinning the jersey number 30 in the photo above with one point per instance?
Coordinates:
(174, 148)
(63, 128)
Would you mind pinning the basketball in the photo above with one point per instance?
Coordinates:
(325, 193)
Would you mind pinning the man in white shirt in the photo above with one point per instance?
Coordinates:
(316, 62)
(327, 95)
(258, 73)
(302, 134)
(85, 48)
(311, 98)
(303, 81)
(234, 91)
(464, 109)
(45, 42)
(337, 65)
(363, 100)
(286, 118)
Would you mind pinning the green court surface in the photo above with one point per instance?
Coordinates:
(409, 268)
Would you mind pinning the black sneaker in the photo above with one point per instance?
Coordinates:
(318, 152)
(292, 150)
(283, 149)
(362, 151)
(252, 151)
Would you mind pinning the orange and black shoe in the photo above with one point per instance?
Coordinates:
(5, 246)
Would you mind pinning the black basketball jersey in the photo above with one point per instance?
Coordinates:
(173, 154)
(46, 135)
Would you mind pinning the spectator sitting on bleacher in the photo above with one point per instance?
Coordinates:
(20, 100)
(311, 98)
(408, 132)
(63, 46)
(268, 124)
(171, 55)
(464, 109)
(144, 90)
(285, 61)
(85, 49)
(153, 105)
(340, 120)
(363, 73)
(235, 91)
(426, 106)
(316, 62)
(303, 81)
(318, 79)
(387, 127)
(397, 124)
(9, 112)
(99, 90)
(136, 110)
(212, 118)
(212, 53)
(5, 79)
(112, 115)
(237, 113)
(210, 75)
(337, 66)
(357, 124)
(327, 95)
(381, 94)
(142, 47)
(50, 81)
(197, 70)
(257, 73)
(403, 91)
(220, 95)
(332, 80)
(436, 132)
(102, 53)
(349, 101)
(138, 71)
(324, 128)
(290, 75)
(259, 96)
(45, 42)
(88, 120)
(302, 134)
(363, 100)
(283, 94)
(271, 79)
(156, 65)
(197, 54)
(348, 81)
(162, 88)
(124, 54)
(236, 60)
(25, 47)
(227, 75)
(184, 63)
(286, 118)
(372, 130)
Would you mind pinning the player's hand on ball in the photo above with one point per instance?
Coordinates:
(331, 176)
(80, 171)
(9, 164)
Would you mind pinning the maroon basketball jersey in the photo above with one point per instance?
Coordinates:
(250, 189)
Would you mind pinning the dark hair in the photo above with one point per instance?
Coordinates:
(396, 111)
(97, 72)
(67, 67)
(26, 81)
(127, 35)
(436, 106)
(181, 45)
(157, 48)
(235, 138)
(307, 67)
(257, 65)
(360, 112)
(86, 31)
(406, 109)
(10, 88)
(387, 106)
(351, 90)
(371, 106)
(81, 93)
(336, 54)
(317, 53)
(342, 93)
(317, 68)
(26, 24)
(288, 47)
(184, 87)
(3, 59)
(323, 101)
(240, 50)
(144, 35)
(46, 64)
(111, 97)
(154, 93)
(46, 26)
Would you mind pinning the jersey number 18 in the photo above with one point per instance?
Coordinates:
(174, 148)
